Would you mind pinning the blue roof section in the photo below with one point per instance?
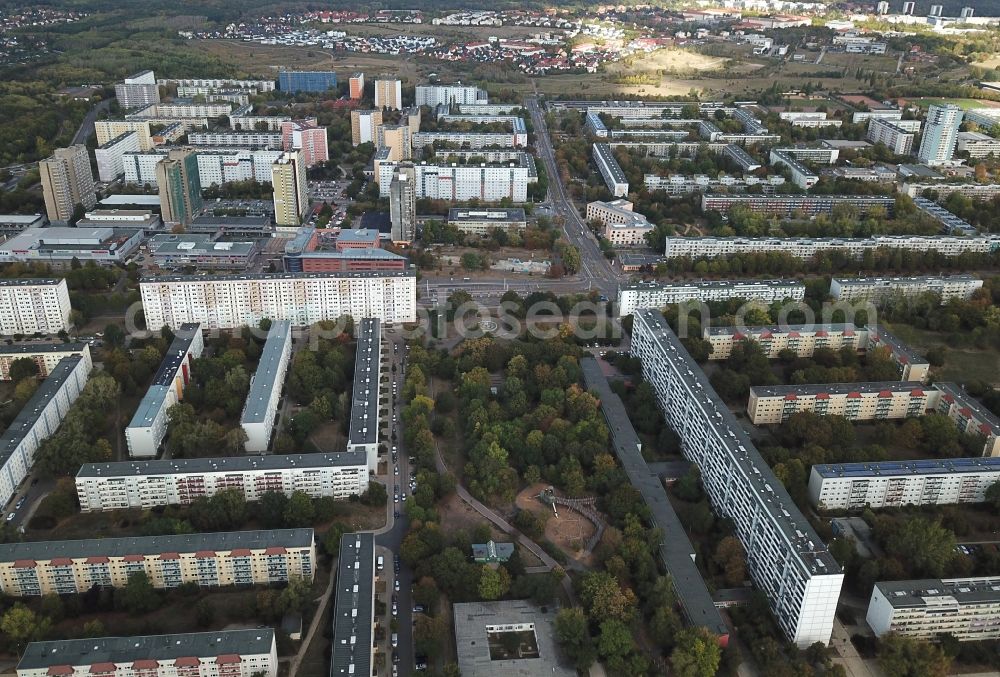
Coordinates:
(949, 466)
(157, 393)
(265, 379)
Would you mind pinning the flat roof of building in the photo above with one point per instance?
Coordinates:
(353, 624)
(198, 245)
(499, 214)
(887, 388)
(32, 409)
(931, 591)
(676, 550)
(30, 281)
(36, 348)
(410, 272)
(607, 156)
(916, 279)
(111, 650)
(145, 200)
(474, 623)
(178, 466)
(265, 379)
(21, 219)
(156, 545)
(782, 329)
(972, 408)
(154, 398)
(772, 498)
(364, 393)
(948, 220)
(261, 221)
(710, 284)
(368, 236)
(901, 351)
(949, 466)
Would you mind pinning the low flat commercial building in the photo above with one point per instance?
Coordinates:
(234, 653)
(202, 252)
(353, 641)
(786, 558)
(968, 609)
(315, 250)
(34, 306)
(978, 145)
(481, 631)
(806, 247)
(855, 486)
(143, 485)
(639, 295)
(209, 560)
(622, 226)
(148, 427)
(485, 220)
(676, 551)
(809, 119)
(363, 431)
(227, 302)
(144, 219)
(804, 340)
(251, 227)
(879, 289)
(802, 176)
(109, 155)
(607, 165)
(39, 419)
(261, 406)
(786, 206)
(15, 223)
(46, 356)
(59, 246)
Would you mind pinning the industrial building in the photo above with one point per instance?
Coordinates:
(328, 251)
(148, 427)
(261, 406)
(210, 560)
(785, 558)
(125, 485)
(202, 252)
(227, 302)
(58, 246)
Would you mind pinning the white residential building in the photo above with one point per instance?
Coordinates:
(884, 113)
(879, 289)
(109, 156)
(46, 356)
(802, 176)
(249, 139)
(216, 166)
(436, 95)
(486, 182)
(233, 653)
(614, 177)
(978, 145)
(639, 295)
(594, 125)
(472, 140)
(261, 406)
(138, 91)
(227, 302)
(968, 609)
(34, 306)
(148, 484)
(809, 119)
(622, 226)
(148, 427)
(806, 248)
(363, 430)
(855, 486)
(785, 558)
(937, 145)
(39, 419)
(897, 135)
(107, 130)
(210, 560)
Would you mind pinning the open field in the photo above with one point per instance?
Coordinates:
(965, 104)
(992, 62)
(960, 364)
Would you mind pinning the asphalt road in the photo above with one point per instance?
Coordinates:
(393, 538)
(87, 126)
(594, 266)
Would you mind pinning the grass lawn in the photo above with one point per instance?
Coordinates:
(964, 104)
(960, 364)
